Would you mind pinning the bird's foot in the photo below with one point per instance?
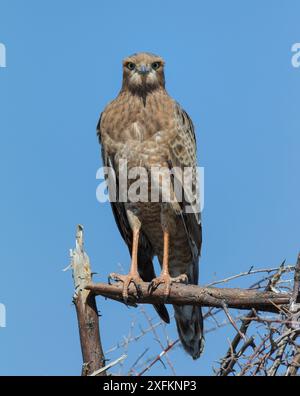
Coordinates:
(127, 280)
(168, 281)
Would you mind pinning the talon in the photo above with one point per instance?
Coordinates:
(127, 280)
(167, 280)
(113, 277)
(139, 289)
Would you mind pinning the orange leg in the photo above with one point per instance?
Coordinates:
(165, 266)
(133, 275)
(165, 277)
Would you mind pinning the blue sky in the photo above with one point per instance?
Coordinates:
(229, 65)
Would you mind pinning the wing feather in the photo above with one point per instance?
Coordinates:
(183, 154)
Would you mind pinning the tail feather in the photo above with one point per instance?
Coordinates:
(189, 323)
(162, 312)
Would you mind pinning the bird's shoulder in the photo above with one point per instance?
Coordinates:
(184, 121)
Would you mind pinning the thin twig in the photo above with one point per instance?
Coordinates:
(158, 357)
(288, 268)
(149, 320)
(231, 320)
(108, 366)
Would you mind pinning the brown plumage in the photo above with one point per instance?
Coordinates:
(145, 126)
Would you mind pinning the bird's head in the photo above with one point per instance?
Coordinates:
(143, 73)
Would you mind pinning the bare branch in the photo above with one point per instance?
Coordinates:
(295, 308)
(196, 295)
(86, 308)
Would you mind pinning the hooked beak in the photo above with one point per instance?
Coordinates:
(143, 69)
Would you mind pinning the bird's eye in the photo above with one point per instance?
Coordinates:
(131, 66)
(155, 65)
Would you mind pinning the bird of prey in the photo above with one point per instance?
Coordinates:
(147, 128)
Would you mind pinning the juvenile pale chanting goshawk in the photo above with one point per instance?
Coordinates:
(147, 128)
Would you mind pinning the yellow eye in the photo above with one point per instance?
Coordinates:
(130, 66)
(156, 65)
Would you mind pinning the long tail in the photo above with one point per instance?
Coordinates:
(189, 323)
